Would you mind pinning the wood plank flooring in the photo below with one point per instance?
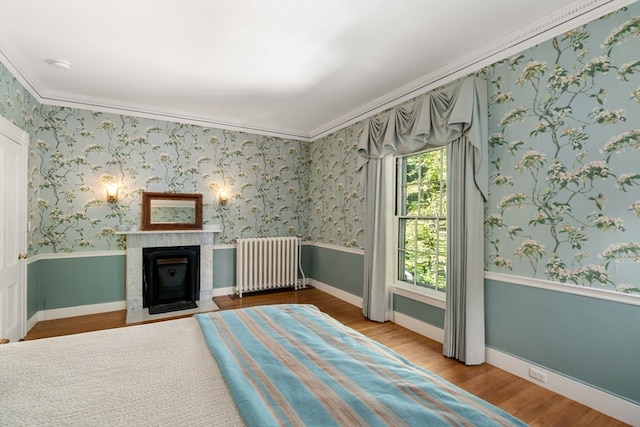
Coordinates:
(525, 400)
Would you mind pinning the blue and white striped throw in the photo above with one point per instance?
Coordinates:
(294, 365)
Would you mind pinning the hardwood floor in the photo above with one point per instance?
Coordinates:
(525, 400)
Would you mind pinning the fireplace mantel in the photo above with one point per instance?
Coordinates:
(213, 229)
(137, 240)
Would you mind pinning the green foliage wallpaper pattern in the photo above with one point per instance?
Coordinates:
(75, 154)
(80, 152)
(564, 146)
(16, 103)
(565, 156)
(337, 193)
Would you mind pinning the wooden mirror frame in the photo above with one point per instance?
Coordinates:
(148, 225)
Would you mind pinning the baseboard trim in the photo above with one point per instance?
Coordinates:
(419, 327)
(80, 310)
(220, 292)
(601, 401)
(608, 404)
(32, 321)
(338, 293)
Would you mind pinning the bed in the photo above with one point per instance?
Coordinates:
(259, 366)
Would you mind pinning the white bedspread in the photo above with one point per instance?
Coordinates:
(158, 374)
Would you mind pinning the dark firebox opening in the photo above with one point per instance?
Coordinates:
(171, 278)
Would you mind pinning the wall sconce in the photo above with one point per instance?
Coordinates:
(223, 197)
(112, 193)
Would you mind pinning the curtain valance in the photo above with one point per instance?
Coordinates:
(433, 120)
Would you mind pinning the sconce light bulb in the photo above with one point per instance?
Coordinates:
(112, 193)
(223, 196)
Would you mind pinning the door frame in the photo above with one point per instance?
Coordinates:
(21, 137)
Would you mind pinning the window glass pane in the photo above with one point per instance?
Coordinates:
(426, 269)
(442, 237)
(422, 276)
(407, 273)
(422, 231)
(427, 235)
(442, 273)
(407, 235)
(412, 186)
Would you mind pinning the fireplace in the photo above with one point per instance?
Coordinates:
(137, 241)
(171, 278)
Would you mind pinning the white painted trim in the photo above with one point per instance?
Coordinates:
(338, 293)
(224, 247)
(32, 321)
(233, 245)
(11, 134)
(592, 397)
(137, 111)
(416, 296)
(419, 327)
(217, 229)
(90, 254)
(80, 310)
(565, 288)
(68, 255)
(575, 14)
(139, 315)
(572, 16)
(221, 292)
(580, 392)
(356, 251)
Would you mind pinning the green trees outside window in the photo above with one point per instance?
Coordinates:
(421, 209)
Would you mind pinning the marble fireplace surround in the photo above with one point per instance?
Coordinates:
(137, 240)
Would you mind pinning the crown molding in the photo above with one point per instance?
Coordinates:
(63, 100)
(141, 111)
(577, 13)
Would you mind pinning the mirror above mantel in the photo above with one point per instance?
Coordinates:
(171, 211)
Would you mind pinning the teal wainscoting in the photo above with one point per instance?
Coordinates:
(591, 340)
(424, 312)
(54, 283)
(224, 267)
(340, 269)
(69, 282)
(33, 288)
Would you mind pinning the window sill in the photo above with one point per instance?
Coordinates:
(416, 295)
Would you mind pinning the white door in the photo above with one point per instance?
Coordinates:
(13, 231)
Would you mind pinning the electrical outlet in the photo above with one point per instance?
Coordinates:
(537, 375)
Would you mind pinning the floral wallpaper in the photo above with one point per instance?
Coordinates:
(337, 193)
(565, 158)
(78, 153)
(75, 154)
(16, 103)
(564, 199)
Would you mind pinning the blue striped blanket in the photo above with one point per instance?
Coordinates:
(293, 365)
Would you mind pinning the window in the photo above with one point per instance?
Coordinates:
(421, 216)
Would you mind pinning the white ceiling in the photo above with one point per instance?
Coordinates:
(292, 68)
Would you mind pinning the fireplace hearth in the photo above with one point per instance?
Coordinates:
(171, 278)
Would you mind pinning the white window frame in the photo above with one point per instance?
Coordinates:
(400, 287)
